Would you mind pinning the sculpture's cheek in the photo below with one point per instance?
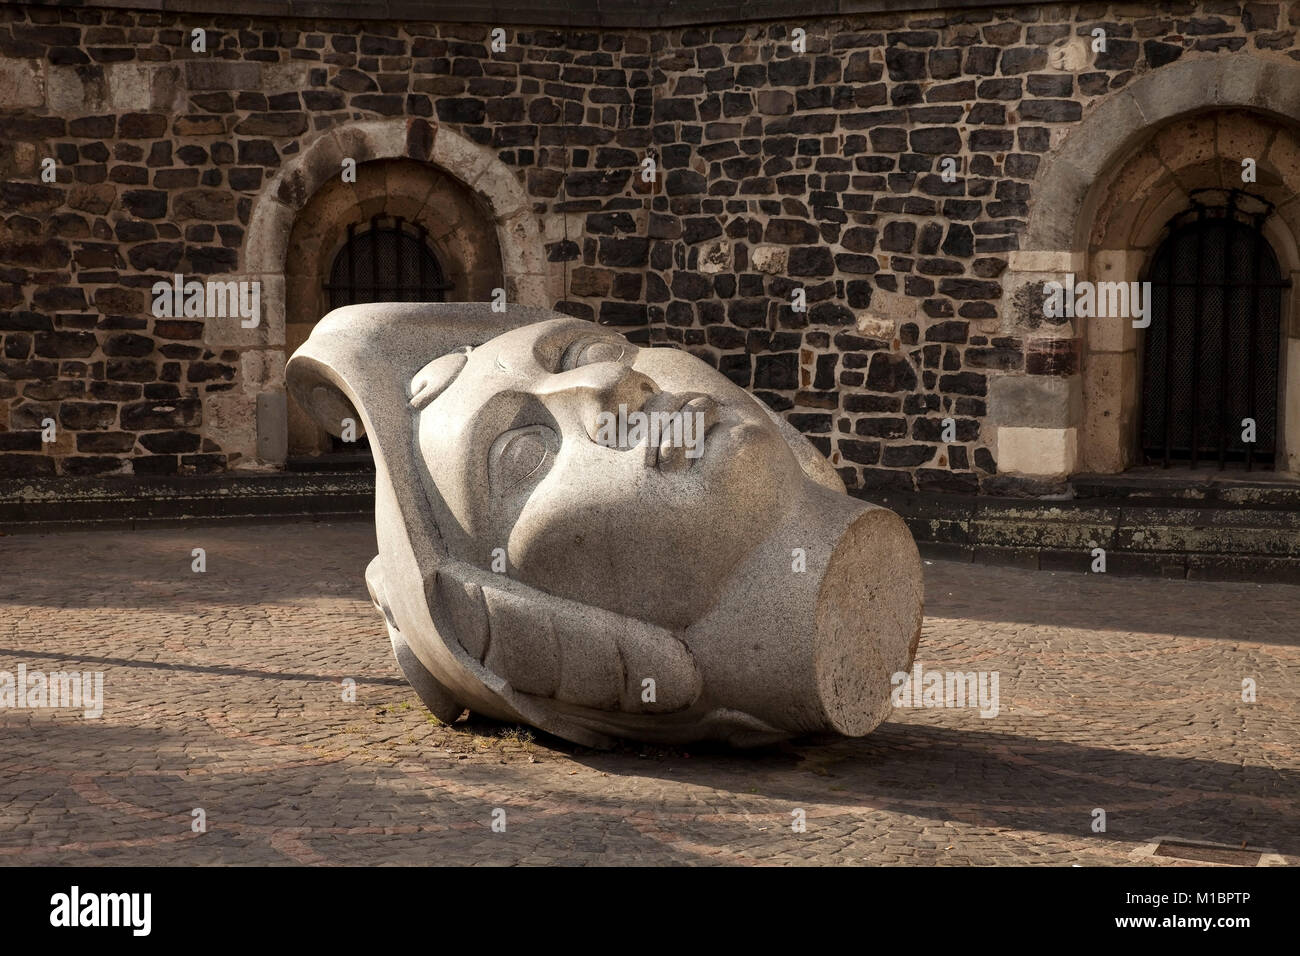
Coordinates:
(653, 554)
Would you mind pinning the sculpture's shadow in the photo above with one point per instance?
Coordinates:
(988, 781)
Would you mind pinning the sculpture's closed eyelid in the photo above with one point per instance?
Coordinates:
(520, 454)
(588, 349)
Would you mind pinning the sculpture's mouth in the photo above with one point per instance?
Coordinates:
(683, 434)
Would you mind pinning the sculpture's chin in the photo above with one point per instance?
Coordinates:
(440, 701)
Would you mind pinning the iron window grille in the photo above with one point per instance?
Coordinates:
(390, 261)
(1211, 354)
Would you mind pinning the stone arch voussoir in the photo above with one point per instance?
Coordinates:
(1109, 132)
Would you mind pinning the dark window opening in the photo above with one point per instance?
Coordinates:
(1212, 352)
(388, 260)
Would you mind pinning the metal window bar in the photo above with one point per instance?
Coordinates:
(1218, 232)
(390, 261)
(374, 257)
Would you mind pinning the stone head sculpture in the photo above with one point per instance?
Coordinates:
(542, 562)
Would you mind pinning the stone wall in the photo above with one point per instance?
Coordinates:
(777, 170)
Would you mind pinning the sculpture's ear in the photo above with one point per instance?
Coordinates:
(813, 462)
(553, 647)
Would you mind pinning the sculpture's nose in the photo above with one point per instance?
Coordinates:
(604, 386)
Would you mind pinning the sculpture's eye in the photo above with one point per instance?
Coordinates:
(522, 456)
(585, 351)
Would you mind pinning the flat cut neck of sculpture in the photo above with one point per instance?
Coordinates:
(813, 582)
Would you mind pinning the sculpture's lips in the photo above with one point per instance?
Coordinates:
(699, 415)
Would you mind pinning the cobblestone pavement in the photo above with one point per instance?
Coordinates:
(224, 691)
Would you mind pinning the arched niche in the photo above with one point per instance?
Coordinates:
(1135, 203)
(459, 231)
(408, 167)
(1100, 206)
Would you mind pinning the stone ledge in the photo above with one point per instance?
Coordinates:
(1223, 538)
(1209, 488)
(1237, 530)
(584, 14)
(55, 504)
(1192, 566)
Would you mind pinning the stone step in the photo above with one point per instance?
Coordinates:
(49, 504)
(1221, 531)
(1210, 487)
(1239, 536)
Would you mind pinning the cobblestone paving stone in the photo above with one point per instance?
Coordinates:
(224, 690)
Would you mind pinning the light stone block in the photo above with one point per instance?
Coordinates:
(22, 84)
(26, 161)
(1291, 407)
(500, 187)
(516, 237)
(68, 94)
(1113, 334)
(876, 328)
(230, 420)
(1055, 205)
(1111, 125)
(1104, 434)
(1182, 87)
(229, 332)
(1241, 135)
(1241, 81)
(129, 87)
(1283, 156)
(1037, 401)
(272, 426)
(769, 259)
(1056, 260)
(893, 306)
(261, 370)
(1070, 55)
(1037, 452)
(527, 290)
(1189, 143)
(269, 229)
(288, 76)
(459, 156)
(715, 257)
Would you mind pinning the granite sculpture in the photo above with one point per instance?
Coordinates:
(547, 557)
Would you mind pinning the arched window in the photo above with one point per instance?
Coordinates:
(1212, 352)
(389, 261)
